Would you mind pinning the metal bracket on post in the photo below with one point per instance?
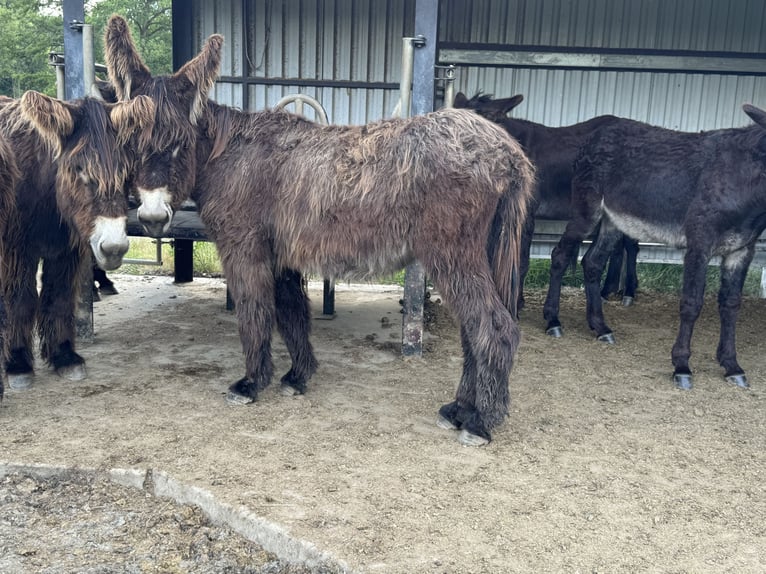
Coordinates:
(447, 78)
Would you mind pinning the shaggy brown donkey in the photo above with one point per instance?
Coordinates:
(70, 202)
(281, 195)
(9, 176)
(705, 192)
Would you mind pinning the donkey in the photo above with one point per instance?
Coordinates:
(281, 195)
(70, 203)
(704, 192)
(9, 177)
(168, 160)
(553, 151)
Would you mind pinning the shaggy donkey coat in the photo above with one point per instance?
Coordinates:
(70, 203)
(553, 152)
(705, 192)
(282, 195)
(9, 176)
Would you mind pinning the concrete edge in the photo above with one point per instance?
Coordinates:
(271, 536)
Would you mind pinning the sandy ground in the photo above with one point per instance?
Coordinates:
(602, 467)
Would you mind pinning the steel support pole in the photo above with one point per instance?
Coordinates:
(423, 69)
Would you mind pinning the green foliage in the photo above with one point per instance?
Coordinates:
(29, 31)
(206, 261)
(150, 25)
(659, 277)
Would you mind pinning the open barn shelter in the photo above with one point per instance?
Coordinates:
(682, 64)
(603, 464)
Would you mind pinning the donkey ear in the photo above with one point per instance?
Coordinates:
(460, 100)
(756, 114)
(504, 105)
(51, 118)
(202, 72)
(133, 117)
(126, 69)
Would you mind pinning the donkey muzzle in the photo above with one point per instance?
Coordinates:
(109, 242)
(155, 213)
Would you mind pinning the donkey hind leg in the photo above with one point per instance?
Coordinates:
(21, 308)
(733, 273)
(692, 298)
(293, 316)
(452, 415)
(631, 248)
(527, 234)
(252, 288)
(593, 263)
(56, 322)
(563, 254)
(492, 336)
(613, 272)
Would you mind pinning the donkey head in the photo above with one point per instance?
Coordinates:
(164, 173)
(493, 110)
(88, 139)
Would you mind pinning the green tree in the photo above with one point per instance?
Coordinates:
(29, 31)
(150, 25)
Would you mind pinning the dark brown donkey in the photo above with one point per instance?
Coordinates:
(705, 192)
(281, 195)
(70, 202)
(553, 152)
(9, 176)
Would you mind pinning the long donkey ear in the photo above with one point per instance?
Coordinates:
(125, 67)
(51, 117)
(505, 105)
(133, 117)
(756, 114)
(202, 72)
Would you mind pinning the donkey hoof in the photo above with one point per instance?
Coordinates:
(556, 332)
(739, 380)
(74, 372)
(469, 439)
(444, 423)
(627, 301)
(289, 390)
(606, 338)
(20, 381)
(683, 381)
(236, 399)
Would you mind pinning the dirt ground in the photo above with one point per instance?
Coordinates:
(603, 466)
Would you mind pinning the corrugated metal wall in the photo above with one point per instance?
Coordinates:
(348, 54)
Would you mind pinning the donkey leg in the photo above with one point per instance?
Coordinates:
(492, 336)
(293, 316)
(56, 324)
(613, 272)
(692, 298)
(593, 263)
(454, 414)
(565, 251)
(252, 288)
(21, 308)
(631, 270)
(733, 273)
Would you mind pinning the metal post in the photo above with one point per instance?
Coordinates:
(423, 67)
(74, 16)
(405, 87)
(88, 62)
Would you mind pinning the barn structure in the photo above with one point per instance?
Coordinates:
(682, 64)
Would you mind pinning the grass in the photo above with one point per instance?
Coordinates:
(657, 277)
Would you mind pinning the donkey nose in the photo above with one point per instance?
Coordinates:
(111, 253)
(155, 228)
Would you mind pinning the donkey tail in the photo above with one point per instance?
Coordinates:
(504, 241)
